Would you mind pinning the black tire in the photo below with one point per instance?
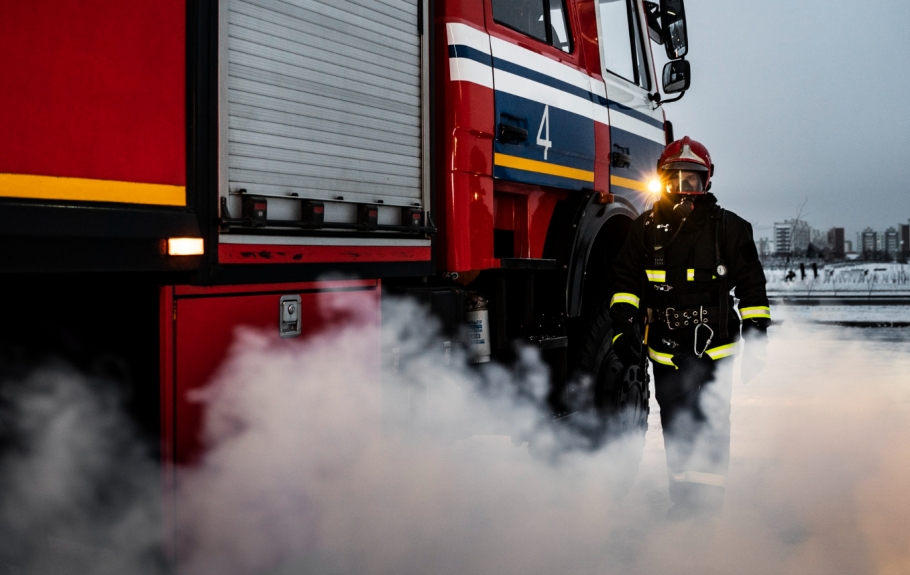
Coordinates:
(609, 399)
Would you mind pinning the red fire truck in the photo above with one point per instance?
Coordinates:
(170, 170)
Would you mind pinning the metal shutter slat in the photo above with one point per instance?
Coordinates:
(330, 21)
(271, 91)
(351, 174)
(344, 57)
(267, 58)
(361, 56)
(321, 148)
(365, 42)
(359, 142)
(287, 124)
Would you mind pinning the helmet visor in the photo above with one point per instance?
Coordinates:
(684, 181)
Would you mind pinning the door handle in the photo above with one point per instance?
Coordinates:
(512, 134)
(621, 157)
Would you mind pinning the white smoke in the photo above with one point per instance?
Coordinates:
(314, 466)
(78, 489)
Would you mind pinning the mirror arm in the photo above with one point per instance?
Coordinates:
(655, 98)
(676, 99)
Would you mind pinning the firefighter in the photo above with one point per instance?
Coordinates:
(673, 276)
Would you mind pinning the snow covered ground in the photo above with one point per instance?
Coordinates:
(850, 279)
(830, 314)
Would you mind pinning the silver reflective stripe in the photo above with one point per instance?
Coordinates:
(659, 276)
(699, 477)
(756, 311)
(662, 358)
(723, 351)
(324, 99)
(622, 297)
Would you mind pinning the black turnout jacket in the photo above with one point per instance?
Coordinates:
(672, 273)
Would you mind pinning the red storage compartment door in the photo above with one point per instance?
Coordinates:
(201, 329)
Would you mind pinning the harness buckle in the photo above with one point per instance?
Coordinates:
(667, 313)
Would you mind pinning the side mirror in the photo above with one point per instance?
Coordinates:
(677, 75)
(673, 19)
(655, 32)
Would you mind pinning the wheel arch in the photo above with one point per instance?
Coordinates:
(585, 236)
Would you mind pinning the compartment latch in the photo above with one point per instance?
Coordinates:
(289, 319)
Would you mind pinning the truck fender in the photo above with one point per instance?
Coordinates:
(571, 243)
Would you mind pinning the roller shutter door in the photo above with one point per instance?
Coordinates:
(323, 99)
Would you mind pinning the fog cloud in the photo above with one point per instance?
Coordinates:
(313, 466)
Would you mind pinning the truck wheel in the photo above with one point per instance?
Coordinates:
(615, 397)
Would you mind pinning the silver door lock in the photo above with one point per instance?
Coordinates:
(289, 316)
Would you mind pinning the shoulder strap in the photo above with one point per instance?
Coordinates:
(720, 268)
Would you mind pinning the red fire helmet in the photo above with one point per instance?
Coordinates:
(685, 155)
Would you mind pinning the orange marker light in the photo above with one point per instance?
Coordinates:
(185, 247)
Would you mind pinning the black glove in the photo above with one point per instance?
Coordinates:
(626, 334)
(627, 346)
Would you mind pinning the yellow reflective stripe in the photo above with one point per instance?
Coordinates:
(756, 311)
(507, 161)
(656, 275)
(636, 185)
(625, 298)
(723, 351)
(617, 336)
(690, 275)
(699, 477)
(90, 190)
(662, 358)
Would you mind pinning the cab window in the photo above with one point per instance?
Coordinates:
(623, 49)
(544, 20)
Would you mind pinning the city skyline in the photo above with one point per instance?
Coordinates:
(796, 235)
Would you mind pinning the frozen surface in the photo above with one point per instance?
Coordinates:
(851, 313)
(841, 278)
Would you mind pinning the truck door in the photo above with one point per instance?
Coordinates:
(636, 124)
(543, 100)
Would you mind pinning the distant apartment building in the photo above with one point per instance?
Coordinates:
(792, 237)
(848, 246)
(836, 241)
(867, 241)
(763, 245)
(892, 244)
(782, 235)
(905, 240)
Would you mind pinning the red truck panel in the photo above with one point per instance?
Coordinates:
(466, 154)
(203, 322)
(93, 95)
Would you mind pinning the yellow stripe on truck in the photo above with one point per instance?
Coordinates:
(507, 161)
(636, 185)
(89, 190)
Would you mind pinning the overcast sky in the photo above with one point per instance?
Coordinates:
(802, 100)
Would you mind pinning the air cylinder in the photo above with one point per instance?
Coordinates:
(478, 319)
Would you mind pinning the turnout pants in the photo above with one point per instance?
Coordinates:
(694, 400)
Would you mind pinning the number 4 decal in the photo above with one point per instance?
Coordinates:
(545, 130)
